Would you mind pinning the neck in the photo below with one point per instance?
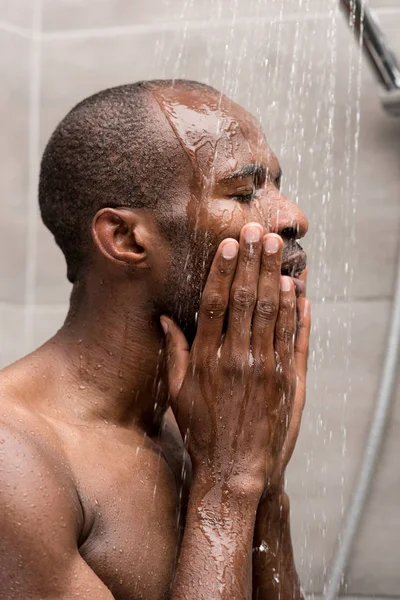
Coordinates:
(113, 349)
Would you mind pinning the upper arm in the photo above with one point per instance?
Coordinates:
(39, 523)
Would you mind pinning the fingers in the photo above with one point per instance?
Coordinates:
(266, 310)
(303, 277)
(215, 298)
(285, 329)
(300, 357)
(244, 289)
(177, 350)
(301, 347)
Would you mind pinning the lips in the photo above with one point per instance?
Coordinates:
(294, 261)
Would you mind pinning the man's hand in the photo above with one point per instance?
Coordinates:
(300, 359)
(233, 394)
(274, 570)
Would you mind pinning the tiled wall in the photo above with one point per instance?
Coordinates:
(295, 64)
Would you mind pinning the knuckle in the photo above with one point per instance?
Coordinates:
(287, 304)
(243, 299)
(285, 335)
(266, 309)
(233, 367)
(259, 369)
(213, 306)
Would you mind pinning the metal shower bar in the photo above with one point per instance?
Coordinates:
(375, 42)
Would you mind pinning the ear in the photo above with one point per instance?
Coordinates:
(120, 236)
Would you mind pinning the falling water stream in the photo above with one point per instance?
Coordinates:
(296, 67)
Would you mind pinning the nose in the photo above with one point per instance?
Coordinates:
(286, 218)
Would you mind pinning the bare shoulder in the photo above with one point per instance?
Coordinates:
(41, 515)
(34, 466)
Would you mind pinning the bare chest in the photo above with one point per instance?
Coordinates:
(131, 504)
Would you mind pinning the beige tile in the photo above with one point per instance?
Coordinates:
(375, 558)
(14, 108)
(289, 76)
(347, 351)
(82, 14)
(17, 12)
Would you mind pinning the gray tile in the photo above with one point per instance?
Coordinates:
(18, 12)
(382, 4)
(47, 320)
(14, 167)
(87, 14)
(22, 332)
(375, 558)
(363, 597)
(52, 286)
(12, 333)
(343, 377)
(289, 75)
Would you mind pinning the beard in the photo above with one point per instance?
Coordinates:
(185, 281)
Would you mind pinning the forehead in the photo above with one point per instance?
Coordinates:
(217, 134)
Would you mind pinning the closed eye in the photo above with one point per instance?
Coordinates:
(244, 197)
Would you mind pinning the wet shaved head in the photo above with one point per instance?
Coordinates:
(114, 149)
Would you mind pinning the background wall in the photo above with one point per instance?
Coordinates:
(296, 66)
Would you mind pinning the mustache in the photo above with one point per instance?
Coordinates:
(294, 259)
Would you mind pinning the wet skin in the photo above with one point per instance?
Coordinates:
(236, 175)
(93, 473)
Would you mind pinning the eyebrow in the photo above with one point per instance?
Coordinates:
(256, 171)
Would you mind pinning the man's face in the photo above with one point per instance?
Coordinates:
(236, 180)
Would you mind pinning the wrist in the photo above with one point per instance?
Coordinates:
(241, 489)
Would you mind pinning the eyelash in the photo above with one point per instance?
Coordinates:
(249, 197)
(244, 197)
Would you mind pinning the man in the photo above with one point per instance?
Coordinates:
(164, 197)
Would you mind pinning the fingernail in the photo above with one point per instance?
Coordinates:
(286, 284)
(271, 244)
(252, 234)
(164, 325)
(229, 250)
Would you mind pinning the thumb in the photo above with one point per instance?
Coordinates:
(177, 354)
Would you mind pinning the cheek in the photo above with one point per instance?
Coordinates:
(227, 217)
(223, 218)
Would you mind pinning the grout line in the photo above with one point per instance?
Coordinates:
(141, 29)
(21, 31)
(33, 169)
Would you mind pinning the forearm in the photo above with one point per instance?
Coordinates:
(274, 571)
(215, 561)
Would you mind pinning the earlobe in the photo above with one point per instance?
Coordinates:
(115, 233)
